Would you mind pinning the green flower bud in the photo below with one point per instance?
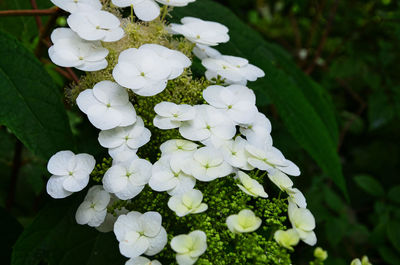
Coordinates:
(320, 254)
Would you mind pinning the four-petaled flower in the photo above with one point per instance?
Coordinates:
(70, 173)
(107, 106)
(140, 234)
(189, 247)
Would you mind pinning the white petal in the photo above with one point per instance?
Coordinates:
(55, 187)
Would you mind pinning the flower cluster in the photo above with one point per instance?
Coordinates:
(225, 136)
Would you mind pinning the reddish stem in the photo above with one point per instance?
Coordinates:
(37, 18)
(29, 12)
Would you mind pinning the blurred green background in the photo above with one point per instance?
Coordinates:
(342, 129)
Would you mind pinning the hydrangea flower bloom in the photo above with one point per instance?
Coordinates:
(258, 131)
(207, 164)
(235, 154)
(202, 32)
(125, 139)
(170, 115)
(243, 222)
(177, 61)
(107, 106)
(269, 158)
(146, 10)
(140, 234)
(71, 51)
(287, 239)
(142, 261)
(303, 222)
(126, 180)
(210, 126)
(73, 6)
(177, 146)
(93, 210)
(147, 69)
(280, 179)
(96, 25)
(238, 102)
(186, 203)
(204, 51)
(234, 70)
(167, 178)
(70, 173)
(175, 2)
(189, 247)
(251, 186)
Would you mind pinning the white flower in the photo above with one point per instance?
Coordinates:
(244, 222)
(96, 25)
(93, 209)
(189, 202)
(210, 126)
(142, 261)
(204, 51)
(239, 102)
(280, 179)
(125, 139)
(78, 5)
(107, 106)
(146, 10)
(165, 177)
(189, 247)
(269, 158)
(127, 180)
(207, 165)
(71, 51)
(258, 131)
(297, 197)
(177, 146)
(235, 154)
(202, 32)
(251, 186)
(175, 2)
(70, 173)
(143, 71)
(177, 61)
(170, 115)
(287, 239)
(140, 234)
(234, 70)
(303, 222)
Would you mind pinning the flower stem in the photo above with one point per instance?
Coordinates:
(164, 12)
(131, 13)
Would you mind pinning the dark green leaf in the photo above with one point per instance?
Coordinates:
(370, 185)
(30, 104)
(393, 233)
(304, 106)
(394, 194)
(389, 255)
(10, 232)
(54, 237)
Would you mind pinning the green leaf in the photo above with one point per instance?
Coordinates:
(394, 193)
(55, 238)
(370, 185)
(304, 106)
(389, 255)
(10, 232)
(30, 104)
(393, 233)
